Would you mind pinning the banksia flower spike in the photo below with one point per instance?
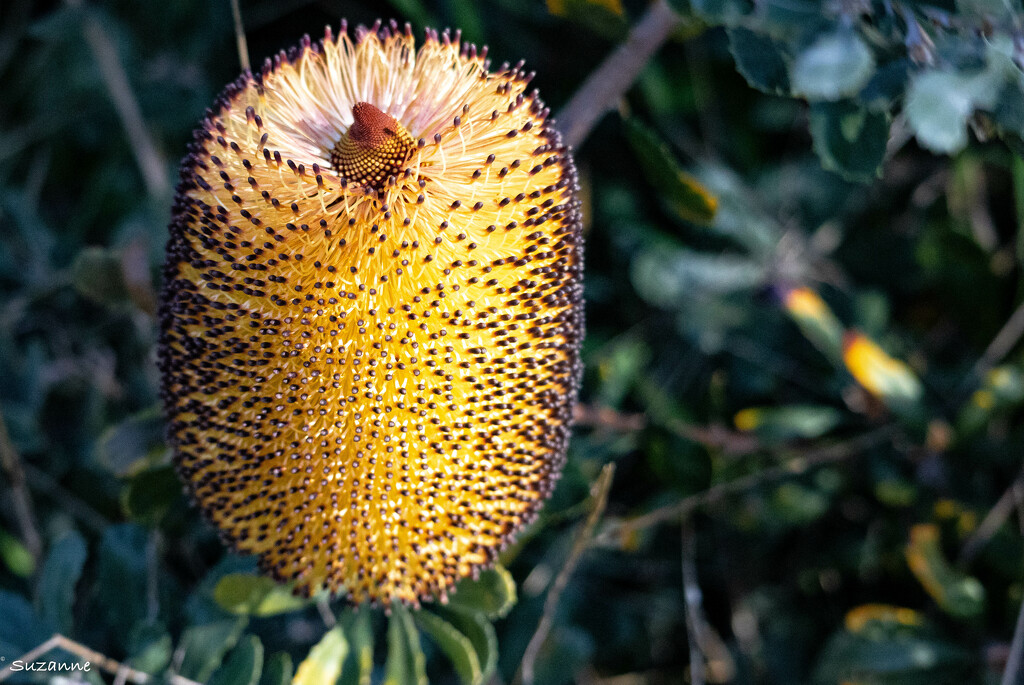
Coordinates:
(371, 313)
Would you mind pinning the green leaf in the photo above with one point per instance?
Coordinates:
(277, 670)
(682, 193)
(150, 647)
(97, 275)
(493, 593)
(243, 666)
(21, 628)
(322, 666)
(204, 647)
(726, 12)
(456, 646)
(15, 555)
(670, 278)
(849, 140)
(761, 60)
(405, 664)
(780, 423)
(149, 495)
(480, 632)
(246, 594)
(886, 653)
(133, 444)
(55, 595)
(837, 65)
(121, 582)
(939, 103)
(358, 627)
(957, 593)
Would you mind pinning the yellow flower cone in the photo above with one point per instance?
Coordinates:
(371, 313)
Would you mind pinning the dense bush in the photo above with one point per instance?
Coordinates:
(804, 305)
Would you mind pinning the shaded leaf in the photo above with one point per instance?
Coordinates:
(204, 647)
(849, 140)
(358, 627)
(58, 579)
(682, 193)
(149, 495)
(97, 275)
(888, 651)
(122, 574)
(243, 666)
(21, 628)
(150, 648)
(133, 444)
(322, 666)
(760, 59)
(277, 670)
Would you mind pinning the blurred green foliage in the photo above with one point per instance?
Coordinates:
(801, 336)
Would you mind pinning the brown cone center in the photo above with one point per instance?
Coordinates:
(375, 147)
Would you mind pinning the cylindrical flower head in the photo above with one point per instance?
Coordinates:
(371, 313)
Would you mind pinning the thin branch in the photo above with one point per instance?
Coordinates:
(1011, 675)
(612, 79)
(606, 418)
(21, 499)
(147, 156)
(811, 459)
(599, 497)
(694, 600)
(993, 521)
(122, 672)
(243, 46)
(1007, 337)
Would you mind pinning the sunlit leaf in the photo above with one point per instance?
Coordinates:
(815, 319)
(787, 422)
(322, 666)
(405, 664)
(957, 593)
(858, 618)
(15, 556)
(880, 374)
(255, 595)
(493, 593)
(480, 632)
(837, 65)
(454, 644)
